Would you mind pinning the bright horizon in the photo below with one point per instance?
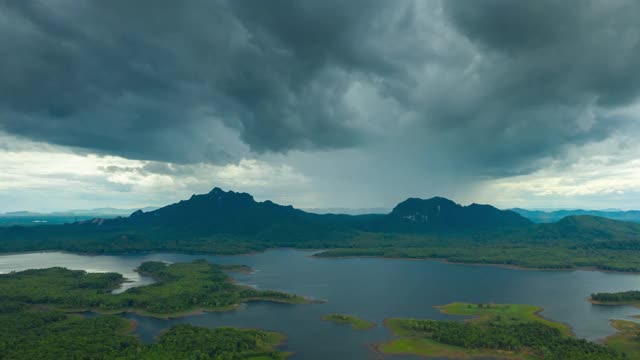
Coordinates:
(387, 101)
(374, 209)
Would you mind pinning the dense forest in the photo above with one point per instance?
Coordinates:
(38, 333)
(513, 330)
(618, 297)
(536, 338)
(181, 287)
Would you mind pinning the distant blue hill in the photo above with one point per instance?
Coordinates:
(25, 218)
(539, 216)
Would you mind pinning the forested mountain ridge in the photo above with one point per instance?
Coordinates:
(441, 214)
(217, 211)
(227, 222)
(232, 212)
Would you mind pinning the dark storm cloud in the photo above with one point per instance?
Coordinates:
(551, 71)
(150, 79)
(564, 48)
(491, 86)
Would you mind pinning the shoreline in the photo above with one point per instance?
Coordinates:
(151, 252)
(469, 353)
(318, 251)
(537, 313)
(188, 313)
(608, 303)
(496, 265)
(376, 348)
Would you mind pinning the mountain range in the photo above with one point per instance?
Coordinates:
(26, 218)
(232, 212)
(539, 216)
(228, 222)
(97, 212)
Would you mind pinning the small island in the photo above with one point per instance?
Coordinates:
(499, 331)
(355, 322)
(617, 298)
(180, 289)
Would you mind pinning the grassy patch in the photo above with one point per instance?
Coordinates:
(355, 322)
(627, 339)
(505, 313)
(504, 331)
(430, 348)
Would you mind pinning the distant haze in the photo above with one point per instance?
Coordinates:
(348, 211)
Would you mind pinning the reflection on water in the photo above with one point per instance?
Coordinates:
(373, 289)
(42, 260)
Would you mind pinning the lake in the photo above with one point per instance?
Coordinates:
(373, 289)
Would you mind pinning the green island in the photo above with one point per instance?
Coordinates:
(355, 322)
(499, 331)
(28, 332)
(39, 320)
(181, 288)
(617, 298)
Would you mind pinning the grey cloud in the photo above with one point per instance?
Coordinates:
(540, 76)
(114, 169)
(492, 87)
(566, 49)
(125, 77)
(159, 168)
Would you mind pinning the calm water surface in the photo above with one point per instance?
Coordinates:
(373, 289)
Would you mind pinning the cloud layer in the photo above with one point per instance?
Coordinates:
(476, 90)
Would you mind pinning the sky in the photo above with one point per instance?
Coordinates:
(333, 103)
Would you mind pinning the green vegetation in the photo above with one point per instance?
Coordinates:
(181, 288)
(48, 334)
(627, 340)
(123, 239)
(619, 298)
(582, 243)
(504, 331)
(355, 322)
(35, 323)
(187, 341)
(424, 346)
(506, 313)
(509, 248)
(234, 223)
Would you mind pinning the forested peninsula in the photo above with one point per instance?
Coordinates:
(39, 314)
(181, 288)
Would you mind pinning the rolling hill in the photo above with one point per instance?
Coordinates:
(539, 216)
